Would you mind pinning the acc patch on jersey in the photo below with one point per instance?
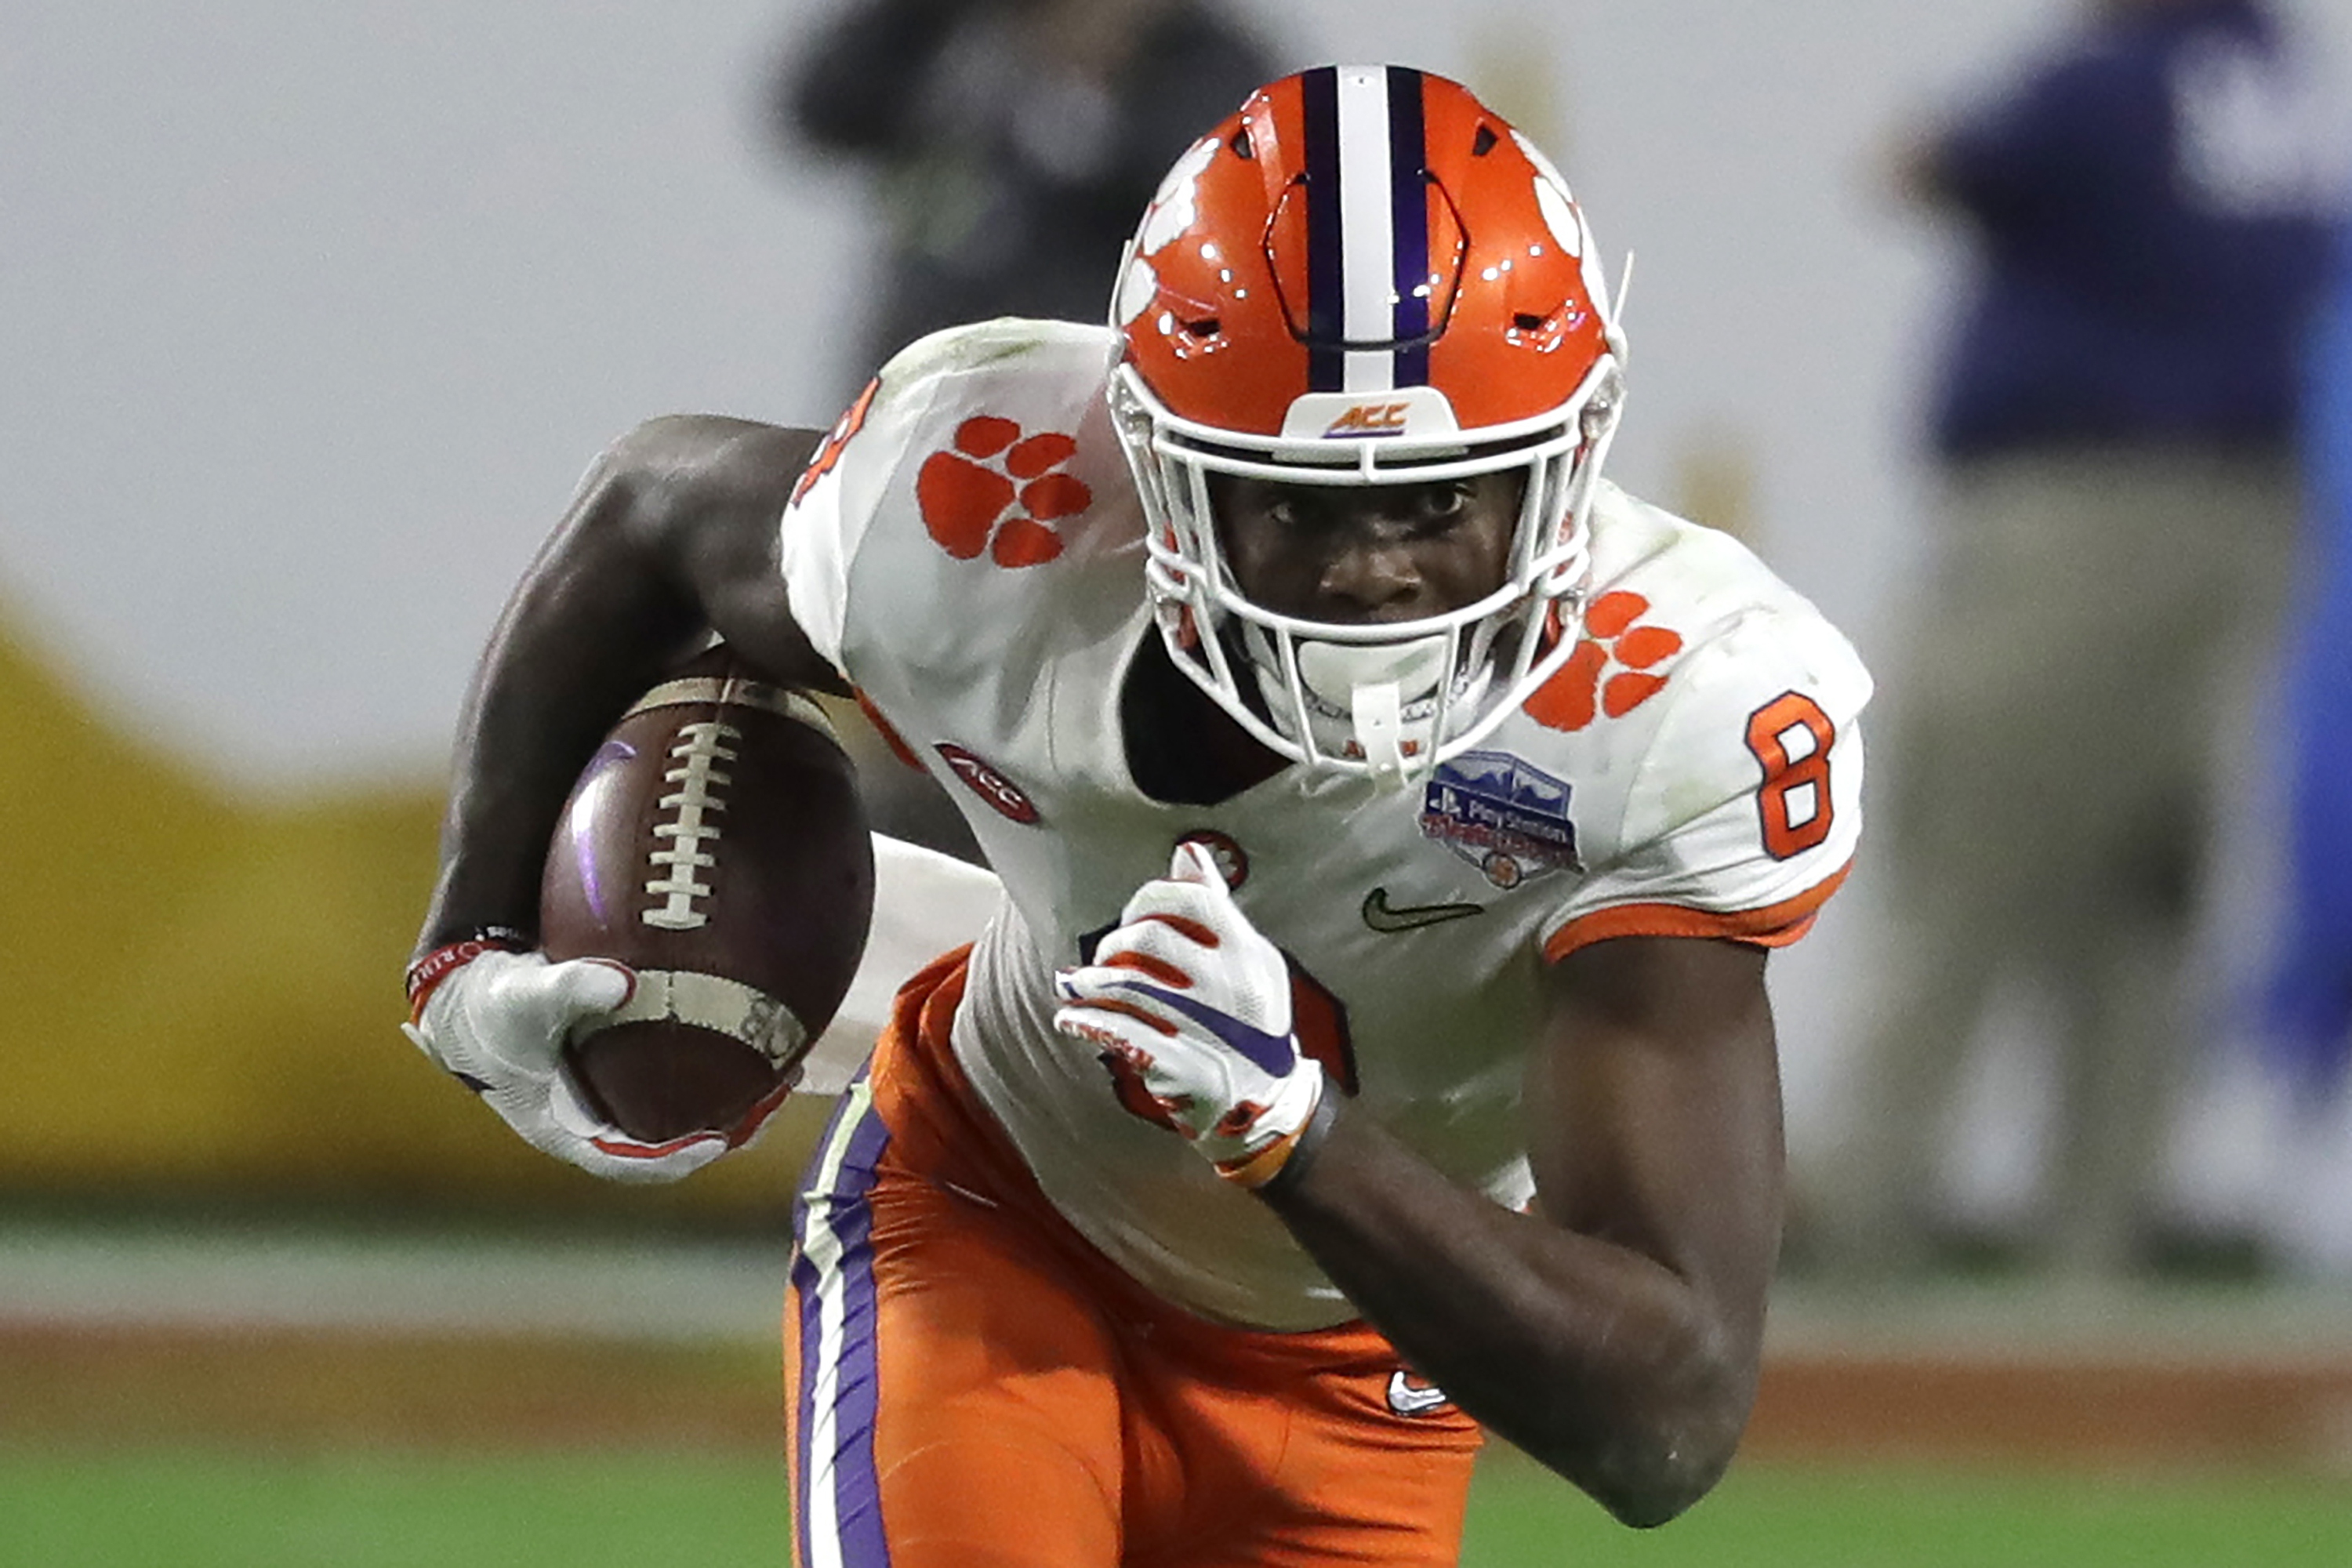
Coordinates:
(1493, 810)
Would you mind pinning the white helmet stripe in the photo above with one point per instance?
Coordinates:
(1369, 371)
(1367, 240)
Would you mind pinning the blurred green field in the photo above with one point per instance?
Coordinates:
(358, 1509)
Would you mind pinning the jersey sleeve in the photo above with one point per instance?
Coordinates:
(835, 500)
(862, 511)
(1744, 811)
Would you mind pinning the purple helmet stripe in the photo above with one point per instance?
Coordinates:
(1325, 279)
(1408, 225)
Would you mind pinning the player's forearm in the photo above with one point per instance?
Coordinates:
(672, 536)
(581, 636)
(1596, 1360)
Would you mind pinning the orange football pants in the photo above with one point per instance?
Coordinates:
(969, 1385)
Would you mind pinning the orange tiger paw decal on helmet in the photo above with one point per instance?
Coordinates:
(1585, 688)
(997, 490)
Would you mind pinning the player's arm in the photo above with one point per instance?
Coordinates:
(1612, 1332)
(1615, 1332)
(672, 535)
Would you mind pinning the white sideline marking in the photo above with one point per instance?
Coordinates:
(250, 1278)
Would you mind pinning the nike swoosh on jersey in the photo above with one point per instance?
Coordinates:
(1382, 916)
(1407, 1398)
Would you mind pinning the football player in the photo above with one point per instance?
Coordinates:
(1372, 1046)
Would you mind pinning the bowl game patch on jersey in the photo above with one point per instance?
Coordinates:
(1502, 814)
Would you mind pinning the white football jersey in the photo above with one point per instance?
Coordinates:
(968, 550)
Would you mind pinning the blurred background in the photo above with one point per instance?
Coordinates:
(309, 319)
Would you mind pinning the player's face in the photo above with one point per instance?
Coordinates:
(1360, 554)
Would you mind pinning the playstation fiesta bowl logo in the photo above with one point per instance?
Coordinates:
(1507, 818)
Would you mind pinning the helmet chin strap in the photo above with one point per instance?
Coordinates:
(1372, 683)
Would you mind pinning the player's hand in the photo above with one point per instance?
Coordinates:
(1191, 1005)
(497, 1021)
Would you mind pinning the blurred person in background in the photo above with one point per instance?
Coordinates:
(2311, 1012)
(2113, 425)
(1014, 142)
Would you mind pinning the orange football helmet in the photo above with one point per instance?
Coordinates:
(1365, 277)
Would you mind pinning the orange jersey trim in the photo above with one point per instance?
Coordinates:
(1774, 925)
(891, 737)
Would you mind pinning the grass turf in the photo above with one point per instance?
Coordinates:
(360, 1510)
(1784, 1517)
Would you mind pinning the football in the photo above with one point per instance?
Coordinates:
(716, 845)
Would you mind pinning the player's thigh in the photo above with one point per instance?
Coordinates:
(1393, 1503)
(950, 1396)
(1284, 1467)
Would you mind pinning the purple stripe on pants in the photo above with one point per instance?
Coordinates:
(841, 1219)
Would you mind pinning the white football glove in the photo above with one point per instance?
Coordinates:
(497, 1021)
(1192, 1006)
